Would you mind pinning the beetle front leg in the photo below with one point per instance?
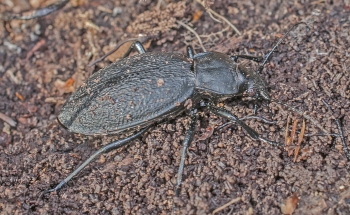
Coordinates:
(226, 114)
(107, 148)
(185, 144)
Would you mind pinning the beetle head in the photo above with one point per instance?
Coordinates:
(252, 84)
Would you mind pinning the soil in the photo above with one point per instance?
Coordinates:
(42, 61)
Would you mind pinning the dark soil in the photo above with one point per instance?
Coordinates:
(312, 64)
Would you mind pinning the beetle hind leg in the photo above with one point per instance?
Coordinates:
(114, 145)
(186, 142)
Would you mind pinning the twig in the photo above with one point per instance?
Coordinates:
(194, 32)
(227, 204)
(159, 3)
(300, 139)
(210, 11)
(7, 119)
(211, 15)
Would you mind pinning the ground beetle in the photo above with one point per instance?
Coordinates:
(139, 91)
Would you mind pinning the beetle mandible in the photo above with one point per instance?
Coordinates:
(139, 91)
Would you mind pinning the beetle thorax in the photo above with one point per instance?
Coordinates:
(216, 74)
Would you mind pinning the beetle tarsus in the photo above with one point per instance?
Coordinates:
(248, 117)
(226, 114)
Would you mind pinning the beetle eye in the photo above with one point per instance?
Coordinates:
(251, 92)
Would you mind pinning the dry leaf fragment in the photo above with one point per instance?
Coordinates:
(300, 139)
(19, 96)
(35, 48)
(197, 15)
(65, 87)
(8, 120)
(208, 132)
(290, 204)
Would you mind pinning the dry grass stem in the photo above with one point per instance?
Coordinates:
(227, 204)
(211, 12)
(194, 32)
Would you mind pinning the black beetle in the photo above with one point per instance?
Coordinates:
(141, 90)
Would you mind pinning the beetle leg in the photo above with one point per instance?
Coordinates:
(190, 53)
(185, 144)
(138, 46)
(226, 114)
(35, 13)
(107, 148)
(249, 57)
(255, 108)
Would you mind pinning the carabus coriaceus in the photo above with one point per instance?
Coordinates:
(139, 91)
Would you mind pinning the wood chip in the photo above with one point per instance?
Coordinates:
(290, 204)
(8, 119)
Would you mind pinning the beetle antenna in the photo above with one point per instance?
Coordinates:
(276, 45)
(317, 124)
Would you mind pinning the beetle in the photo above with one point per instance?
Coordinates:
(138, 91)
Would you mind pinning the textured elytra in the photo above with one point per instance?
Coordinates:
(135, 91)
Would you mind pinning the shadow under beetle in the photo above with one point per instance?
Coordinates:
(139, 91)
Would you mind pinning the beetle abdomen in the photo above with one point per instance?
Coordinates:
(132, 92)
